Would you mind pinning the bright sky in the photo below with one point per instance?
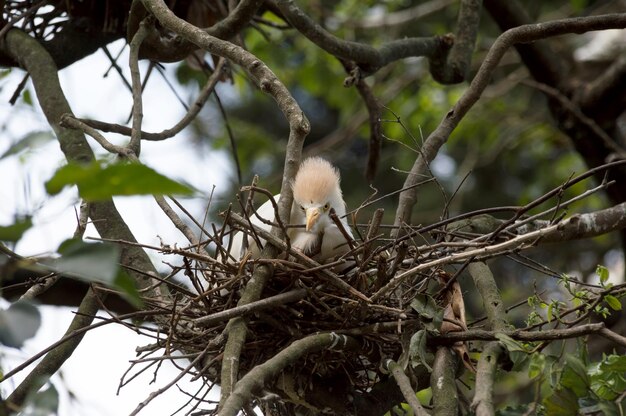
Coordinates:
(92, 374)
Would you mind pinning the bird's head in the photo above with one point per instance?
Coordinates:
(315, 192)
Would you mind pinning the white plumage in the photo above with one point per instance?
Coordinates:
(316, 191)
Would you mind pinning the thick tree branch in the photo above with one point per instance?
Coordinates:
(367, 57)
(492, 352)
(485, 379)
(443, 384)
(455, 66)
(607, 91)
(489, 292)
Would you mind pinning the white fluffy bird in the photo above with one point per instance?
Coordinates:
(315, 192)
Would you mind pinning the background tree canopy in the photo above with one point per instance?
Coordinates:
(482, 151)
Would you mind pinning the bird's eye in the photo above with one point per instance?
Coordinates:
(326, 206)
(301, 207)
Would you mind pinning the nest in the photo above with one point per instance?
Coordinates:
(364, 301)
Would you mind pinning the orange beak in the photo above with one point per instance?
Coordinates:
(312, 215)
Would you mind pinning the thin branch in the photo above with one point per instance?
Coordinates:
(374, 111)
(69, 121)
(270, 302)
(175, 380)
(118, 69)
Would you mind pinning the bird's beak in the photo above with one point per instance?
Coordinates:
(312, 215)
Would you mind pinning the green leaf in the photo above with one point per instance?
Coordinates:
(126, 285)
(607, 377)
(18, 323)
(28, 99)
(417, 350)
(518, 353)
(603, 273)
(537, 365)
(97, 182)
(430, 314)
(549, 312)
(509, 343)
(15, 231)
(562, 402)
(575, 376)
(613, 302)
(31, 140)
(615, 363)
(93, 262)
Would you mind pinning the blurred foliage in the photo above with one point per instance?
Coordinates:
(13, 232)
(99, 181)
(18, 323)
(94, 262)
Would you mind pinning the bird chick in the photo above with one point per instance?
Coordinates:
(316, 191)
